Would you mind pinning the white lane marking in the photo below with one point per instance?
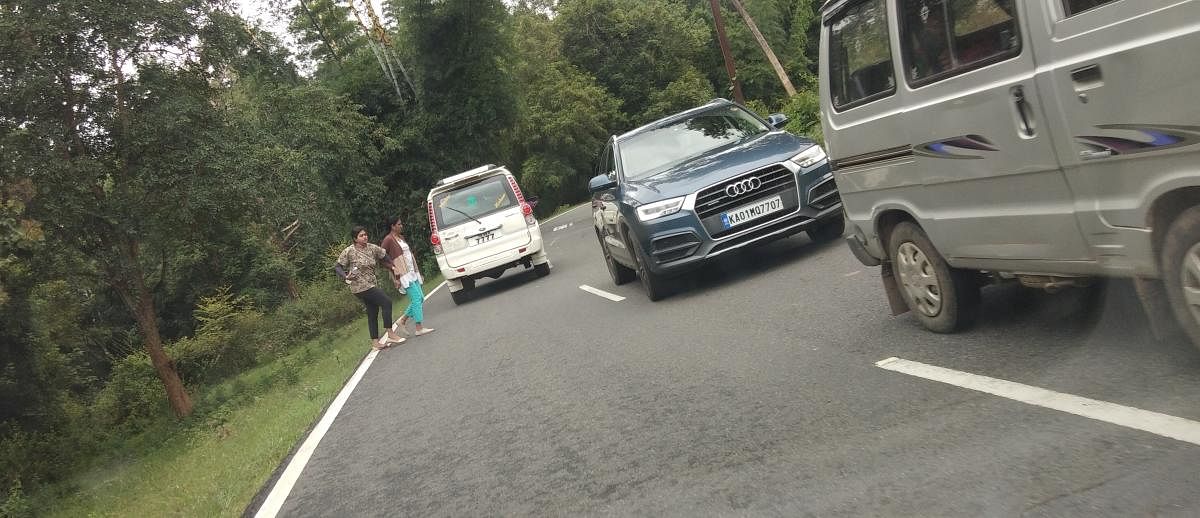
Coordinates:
(563, 213)
(560, 227)
(1165, 425)
(430, 294)
(287, 480)
(853, 273)
(602, 293)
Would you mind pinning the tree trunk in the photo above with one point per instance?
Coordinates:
(131, 285)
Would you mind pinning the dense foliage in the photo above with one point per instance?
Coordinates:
(173, 178)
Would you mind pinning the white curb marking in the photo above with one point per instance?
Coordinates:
(1165, 425)
(602, 293)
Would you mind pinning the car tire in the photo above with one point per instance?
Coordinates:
(541, 270)
(657, 286)
(943, 299)
(459, 297)
(1181, 271)
(828, 230)
(620, 273)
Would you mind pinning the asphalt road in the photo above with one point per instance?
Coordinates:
(754, 391)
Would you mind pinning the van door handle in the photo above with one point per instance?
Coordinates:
(1025, 122)
(1086, 78)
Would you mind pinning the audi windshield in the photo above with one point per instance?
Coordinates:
(653, 151)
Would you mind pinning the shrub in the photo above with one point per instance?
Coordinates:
(133, 395)
(225, 343)
(322, 305)
(15, 504)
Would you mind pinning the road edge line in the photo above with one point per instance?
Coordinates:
(287, 480)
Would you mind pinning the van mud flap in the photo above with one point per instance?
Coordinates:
(895, 299)
(1153, 296)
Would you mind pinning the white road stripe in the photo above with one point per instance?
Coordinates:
(287, 480)
(853, 273)
(602, 293)
(563, 226)
(1165, 425)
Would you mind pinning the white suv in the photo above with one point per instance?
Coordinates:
(480, 226)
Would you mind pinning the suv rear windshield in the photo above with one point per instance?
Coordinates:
(651, 152)
(473, 201)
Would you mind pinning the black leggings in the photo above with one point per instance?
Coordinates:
(376, 300)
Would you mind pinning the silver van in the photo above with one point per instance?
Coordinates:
(1048, 140)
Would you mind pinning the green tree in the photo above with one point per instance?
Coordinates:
(122, 118)
(633, 47)
(462, 53)
(566, 115)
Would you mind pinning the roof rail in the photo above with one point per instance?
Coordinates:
(466, 174)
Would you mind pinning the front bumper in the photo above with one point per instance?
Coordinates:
(682, 242)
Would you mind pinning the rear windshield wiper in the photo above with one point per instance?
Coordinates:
(463, 213)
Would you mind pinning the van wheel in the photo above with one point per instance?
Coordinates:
(459, 297)
(541, 270)
(942, 298)
(826, 231)
(620, 273)
(657, 287)
(1180, 263)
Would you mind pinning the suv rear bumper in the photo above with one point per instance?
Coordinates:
(494, 265)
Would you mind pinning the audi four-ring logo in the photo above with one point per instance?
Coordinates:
(741, 187)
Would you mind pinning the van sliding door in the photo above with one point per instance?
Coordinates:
(994, 193)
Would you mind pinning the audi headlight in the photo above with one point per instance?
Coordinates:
(809, 157)
(659, 209)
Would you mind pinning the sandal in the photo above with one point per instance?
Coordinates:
(424, 331)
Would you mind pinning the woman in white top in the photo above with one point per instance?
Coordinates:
(407, 277)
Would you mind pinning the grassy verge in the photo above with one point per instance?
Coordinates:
(213, 465)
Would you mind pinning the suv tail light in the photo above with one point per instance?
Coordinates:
(436, 241)
(434, 238)
(527, 210)
(512, 182)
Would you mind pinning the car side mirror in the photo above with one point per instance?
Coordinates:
(601, 183)
(778, 120)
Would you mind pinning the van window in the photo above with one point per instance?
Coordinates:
(941, 38)
(860, 60)
(1074, 7)
(473, 201)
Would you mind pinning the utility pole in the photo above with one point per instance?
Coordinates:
(724, 42)
(321, 32)
(762, 42)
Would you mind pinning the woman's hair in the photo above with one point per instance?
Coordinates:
(393, 220)
(354, 231)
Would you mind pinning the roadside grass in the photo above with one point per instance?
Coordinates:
(214, 463)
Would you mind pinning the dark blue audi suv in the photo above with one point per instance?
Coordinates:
(692, 186)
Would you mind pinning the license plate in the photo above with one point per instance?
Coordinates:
(480, 239)
(752, 211)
